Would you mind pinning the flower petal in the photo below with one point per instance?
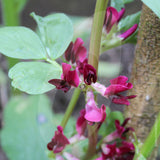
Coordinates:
(89, 74)
(81, 123)
(120, 14)
(93, 113)
(121, 100)
(114, 89)
(58, 142)
(129, 32)
(66, 68)
(111, 18)
(119, 80)
(72, 78)
(60, 84)
(69, 51)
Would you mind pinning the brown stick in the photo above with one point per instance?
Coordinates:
(146, 75)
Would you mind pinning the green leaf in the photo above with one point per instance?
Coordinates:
(154, 5)
(108, 69)
(141, 157)
(29, 126)
(129, 21)
(56, 32)
(118, 4)
(127, 1)
(32, 77)
(132, 38)
(21, 137)
(21, 42)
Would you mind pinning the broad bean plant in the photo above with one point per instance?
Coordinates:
(99, 133)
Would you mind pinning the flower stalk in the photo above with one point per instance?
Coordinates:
(95, 41)
(70, 107)
(94, 51)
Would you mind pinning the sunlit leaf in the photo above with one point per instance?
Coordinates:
(29, 125)
(56, 32)
(129, 21)
(33, 77)
(127, 1)
(21, 42)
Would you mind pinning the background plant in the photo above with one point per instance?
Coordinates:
(20, 81)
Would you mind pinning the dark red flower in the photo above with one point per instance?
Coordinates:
(112, 17)
(122, 99)
(81, 123)
(60, 84)
(89, 74)
(76, 51)
(109, 151)
(118, 85)
(125, 151)
(68, 78)
(58, 142)
(80, 65)
(126, 147)
(129, 32)
(120, 131)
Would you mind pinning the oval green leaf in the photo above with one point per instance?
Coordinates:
(32, 77)
(21, 42)
(56, 31)
(29, 125)
(21, 136)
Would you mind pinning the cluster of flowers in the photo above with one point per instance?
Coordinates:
(115, 145)
(77, 73)
(112, 18)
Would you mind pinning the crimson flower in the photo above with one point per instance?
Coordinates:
(112, 17)
(58, 142)
(81, 123)
(68, 78)
(118, 85)
(129, 32)
(120, 132)
(124, 151)
(76, 51)
(93, 113)
(89, 74)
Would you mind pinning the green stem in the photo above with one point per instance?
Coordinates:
(151, 140)
(11, 17)
(70, 107)
(98, 21)
(10, 14)
(54, 63)
(94, 51)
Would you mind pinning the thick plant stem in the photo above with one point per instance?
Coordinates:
(151, 140)
(146, 77)
(94, 51)
(70, 107)
(95, 41)
(10, 15)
